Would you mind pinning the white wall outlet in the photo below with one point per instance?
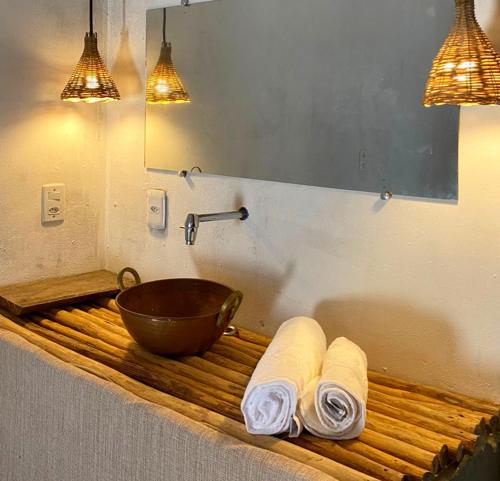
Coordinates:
(157, 209)
(53, 202)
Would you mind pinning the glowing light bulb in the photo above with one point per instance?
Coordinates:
(91, 82)
(162, 87)
(449, 66)
(466, 65)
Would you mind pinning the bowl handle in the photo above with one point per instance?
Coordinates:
(119, 277)
(229, 308)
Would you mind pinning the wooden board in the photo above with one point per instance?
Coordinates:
(34, 296)
(413, 432)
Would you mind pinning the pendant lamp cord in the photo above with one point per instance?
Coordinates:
(164, 25)
(91, 16)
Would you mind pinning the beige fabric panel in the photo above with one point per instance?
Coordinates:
(58, 423)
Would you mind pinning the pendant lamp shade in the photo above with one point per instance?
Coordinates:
(164, 85)
(466, 71)
(90, 81)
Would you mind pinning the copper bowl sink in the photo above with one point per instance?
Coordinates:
(176, 317)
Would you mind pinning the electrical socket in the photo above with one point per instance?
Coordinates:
(53, 203)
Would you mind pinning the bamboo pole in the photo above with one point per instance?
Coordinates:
(108, 303)
(440, 394)
(167, 368)
(349, 458)
(409, 470)
(192, 411)
(468, 439)
(93, 328)
(419, 437)
(405, 451)
(465, 424)
(433, 402)
(235, 341)
(215, 369)
(95, 304)
(105, 314)
(253, 337)
(120, 330)
(128, 345)
(123, 363)
(235, 355)
(228, 363)
(63, 315)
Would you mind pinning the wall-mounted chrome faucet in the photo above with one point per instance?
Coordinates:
(193, 222)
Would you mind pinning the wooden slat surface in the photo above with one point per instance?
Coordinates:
(34, 296)
(413, 431)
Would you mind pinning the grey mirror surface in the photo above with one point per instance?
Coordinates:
(320, 92)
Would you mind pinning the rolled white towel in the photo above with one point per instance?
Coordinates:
(293, 358)
(334, 404)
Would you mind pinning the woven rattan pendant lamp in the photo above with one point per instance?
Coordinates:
(466, 71)
(90, 81)
(164, 85)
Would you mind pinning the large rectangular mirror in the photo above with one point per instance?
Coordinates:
(318, 92)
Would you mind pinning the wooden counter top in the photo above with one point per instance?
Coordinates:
(413, 431)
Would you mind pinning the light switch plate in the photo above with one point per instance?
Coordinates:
(157, 209)
(53, 202)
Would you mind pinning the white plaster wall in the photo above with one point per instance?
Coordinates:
(414, 282)
(43, 140)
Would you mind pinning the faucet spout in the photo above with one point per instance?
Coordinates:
(191, 228)
(192, 222)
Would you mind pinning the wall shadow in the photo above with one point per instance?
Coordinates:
(493, 26)
(124, 71)
(261, 287)
(407, 341)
